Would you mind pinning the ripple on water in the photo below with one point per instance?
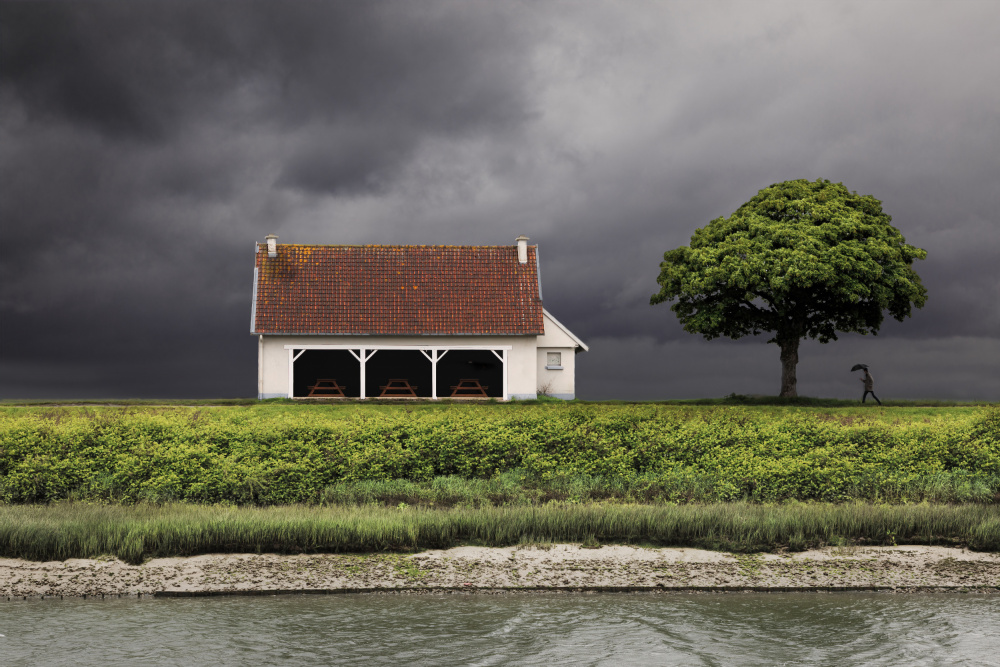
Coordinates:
(550, 630)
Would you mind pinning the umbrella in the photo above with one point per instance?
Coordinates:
(858, 367)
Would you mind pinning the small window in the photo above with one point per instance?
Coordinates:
(553, 360)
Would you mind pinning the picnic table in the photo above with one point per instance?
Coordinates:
(399, 387)
(327, 388)
(469, 388)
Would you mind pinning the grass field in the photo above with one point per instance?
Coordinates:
(79, 530)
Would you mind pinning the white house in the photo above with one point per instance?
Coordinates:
(386, 321)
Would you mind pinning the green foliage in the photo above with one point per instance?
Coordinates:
(78, 530)
(478, 455)
(799, 259)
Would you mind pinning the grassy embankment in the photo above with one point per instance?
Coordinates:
(78, 530)
(420, 475)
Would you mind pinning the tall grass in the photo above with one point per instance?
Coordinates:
(76, 530)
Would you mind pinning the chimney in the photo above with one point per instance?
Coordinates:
(522, 249)
(272, 245)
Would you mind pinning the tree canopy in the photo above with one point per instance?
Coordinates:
(800, 259)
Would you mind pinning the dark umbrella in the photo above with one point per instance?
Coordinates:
(858, 367)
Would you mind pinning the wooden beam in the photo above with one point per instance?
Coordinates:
(502, 356)
(433, 358)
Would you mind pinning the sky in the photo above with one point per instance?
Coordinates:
(146, 146)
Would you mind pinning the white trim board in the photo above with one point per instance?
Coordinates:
(566, 331)
(370, 346)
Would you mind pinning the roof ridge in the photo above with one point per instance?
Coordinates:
(382, 245)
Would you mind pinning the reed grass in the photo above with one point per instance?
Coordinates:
(134, 533)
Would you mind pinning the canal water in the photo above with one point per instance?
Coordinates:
(514, 629)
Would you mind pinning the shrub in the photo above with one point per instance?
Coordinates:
(280, 453)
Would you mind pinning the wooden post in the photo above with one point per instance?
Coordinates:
(434, 356)
(291, 370)
(506, 396)
(431, 356)
(502, 356)
(362, 358)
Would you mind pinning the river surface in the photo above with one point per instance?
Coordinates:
(516, 629)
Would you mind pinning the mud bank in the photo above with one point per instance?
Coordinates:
(481, 569)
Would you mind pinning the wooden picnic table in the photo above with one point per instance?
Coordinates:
(469, 388)
(327, 388)
(399, 387)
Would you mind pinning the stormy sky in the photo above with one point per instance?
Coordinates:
(145, 146)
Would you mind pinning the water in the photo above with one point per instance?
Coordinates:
(522, 629)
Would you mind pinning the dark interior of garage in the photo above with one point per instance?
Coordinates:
(409, 368)
(337, 365)
(481, 365)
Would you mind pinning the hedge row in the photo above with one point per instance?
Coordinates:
(289, 454)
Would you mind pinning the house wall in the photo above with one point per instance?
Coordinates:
(556, 383)
(522, 359)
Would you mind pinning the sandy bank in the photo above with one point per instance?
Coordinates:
(561, 567)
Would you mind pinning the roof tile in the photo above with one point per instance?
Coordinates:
(397, 290)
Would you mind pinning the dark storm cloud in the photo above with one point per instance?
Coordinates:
(145, 145)
(357, 165)
(148, 69)
(51, 62)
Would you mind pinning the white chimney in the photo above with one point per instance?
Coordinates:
(272, 245)
(522, 249)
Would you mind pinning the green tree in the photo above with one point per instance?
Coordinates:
(800, 259)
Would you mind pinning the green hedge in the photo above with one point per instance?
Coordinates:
(279, 454)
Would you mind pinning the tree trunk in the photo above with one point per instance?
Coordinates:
(789, 360)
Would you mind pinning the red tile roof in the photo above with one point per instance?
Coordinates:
(408, 290)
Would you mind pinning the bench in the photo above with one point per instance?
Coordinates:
(327, 388)
(469, 388)
(398, 388)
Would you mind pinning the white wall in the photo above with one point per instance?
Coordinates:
(557, 383)
(522, 367)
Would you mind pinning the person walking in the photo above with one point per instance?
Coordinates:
(869, 387)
